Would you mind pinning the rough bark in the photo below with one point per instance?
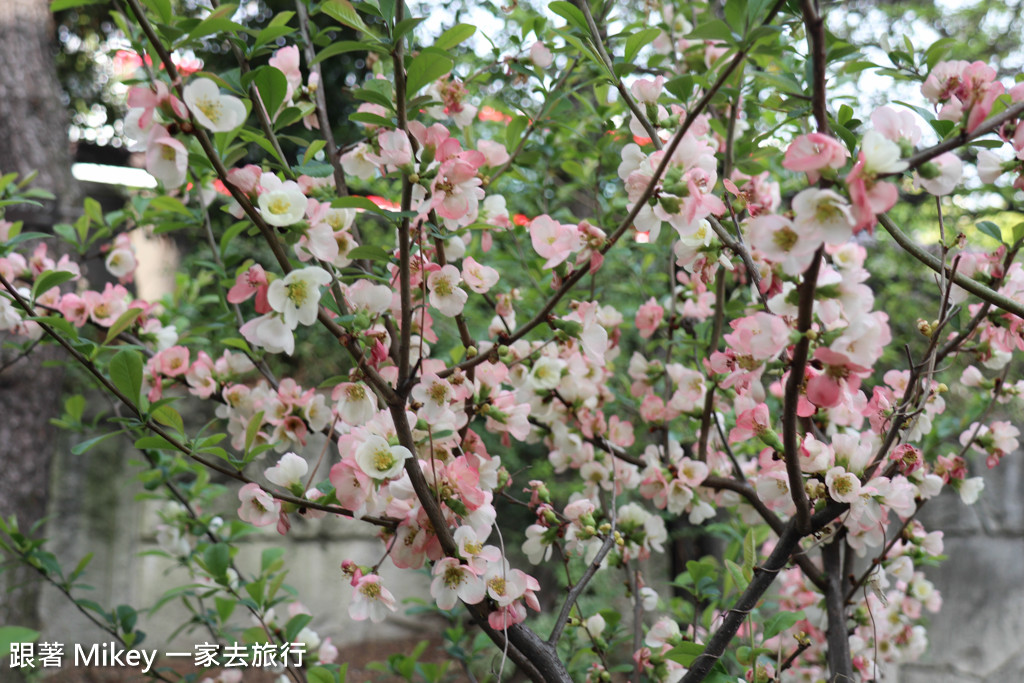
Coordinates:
(33, 137)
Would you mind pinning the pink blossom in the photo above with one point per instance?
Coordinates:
(540, 55)
(454, 581)
(648, 317)
(478, 277)
(370, 599)
(258, 507)
(812, 152)
(445, 294)
(552, 240)
(761, 336)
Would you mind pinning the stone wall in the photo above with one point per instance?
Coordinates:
(979, 634)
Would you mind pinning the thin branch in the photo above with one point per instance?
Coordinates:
(1009, 114)
(595, 33)
(973, 286)
(627, 222)
(320, 101)
(581, 585)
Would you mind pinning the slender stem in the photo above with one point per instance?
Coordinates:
(595, 33)
(558, 89)
(1009, 114)
(320, 100)
(577, 590)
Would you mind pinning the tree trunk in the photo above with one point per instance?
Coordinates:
(33, 131)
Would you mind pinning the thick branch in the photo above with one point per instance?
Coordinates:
(792, 397)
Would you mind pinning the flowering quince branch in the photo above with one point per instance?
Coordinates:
(423, 408)
(973, 286)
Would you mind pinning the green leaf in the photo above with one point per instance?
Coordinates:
(1017, 232)
(346, 46)
(154, 443)
(404, 26)
(427, 67)
(343, 12)
(455, 35)
(49, 280)
(61, 5)
(681, 87)
(217, 558)
(779, 622)
(219, 20)
(9, 635)
(312, 150)
(80, 448)
(225, 607)
(273, 86)
(296, 624)
(991, 229)
(684, 653)
(124, 321)
(126, 373)
(749, 551)
(171, 204)
(270, 560)
(514, 132)
(319, 674)
(168, 416)
(252, 429)
(572, 14)
(713, 30)
(354, 202)
(638, 40)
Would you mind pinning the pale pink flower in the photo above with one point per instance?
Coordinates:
(297, 296)
(843, 486)
(495, 153)
(379, 459)
(173, 361)
(454, 581)
(220, 113)
(540, 55)
(434, 394)
(941, 175)
(812, 152)
(258, 507)
(370, 600)
(791, 245)
(647, 90)
(552, 240)
(288, 471)
(445, 294)
(166, 158)
(356, 404)
(478, 277)
(648, 317)
(269, 332)
(761, 336)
